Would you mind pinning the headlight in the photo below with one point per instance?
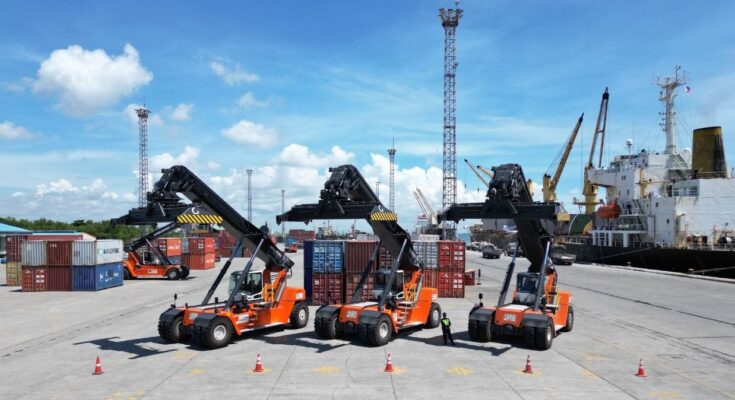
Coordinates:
(351, 314)
(193, 316)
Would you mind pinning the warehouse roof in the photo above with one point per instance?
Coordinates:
(6, 229)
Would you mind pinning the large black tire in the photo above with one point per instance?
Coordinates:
(126, 274)
(484, 331)
(379, 333)
(435, 316)
(217, 334)
(173, 274)
(184, 272)
(362, 332)
(326, 328)
(570, 320)
(529, 337)
(545, 336)
(472, 330)
(299, 315)
(174, 331)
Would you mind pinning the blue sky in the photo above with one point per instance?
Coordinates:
(289, 88)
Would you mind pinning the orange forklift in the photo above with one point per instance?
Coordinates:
(538, 309)
(399, 300)
(255, 299)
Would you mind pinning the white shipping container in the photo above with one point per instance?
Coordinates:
(96, 252)
(429, 238)
(34, 253)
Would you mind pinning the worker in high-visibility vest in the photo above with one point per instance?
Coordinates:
(447, 329)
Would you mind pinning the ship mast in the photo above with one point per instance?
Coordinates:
(668, 87)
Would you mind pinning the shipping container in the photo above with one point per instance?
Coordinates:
(198, 261)
(308, 254)
(61, 237)
(59, 254)
(357, 255)
(201, 245)
(184, 245)
(469, 277)
(451, 283)
(169, 246)
(96, 252)
(14, 247)
(327, 288)
(451, 254)
(225, 252)
(96, 277)
(34, 253)
(13, 273)
(428, 253)
(429, 238)
(328, 256)
(431, 278)
(58, 278)
(307, 281)
(34, 279)
(351, 283)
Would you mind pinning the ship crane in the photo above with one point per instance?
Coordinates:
(425, 206)
(484, 182)
(549, 182)
(590, 190)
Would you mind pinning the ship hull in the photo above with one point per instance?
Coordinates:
(718, 263)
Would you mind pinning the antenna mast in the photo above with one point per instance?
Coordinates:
(142, 155)
(668, 85)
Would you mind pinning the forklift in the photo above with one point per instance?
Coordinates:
(399, 300)
(256, 300)
(538, 309)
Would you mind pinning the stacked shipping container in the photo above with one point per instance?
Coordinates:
(201, 253)
(96, 264)
(301, 235)
(327, 263)
(171, 247)
(14, 249)
(451, 262)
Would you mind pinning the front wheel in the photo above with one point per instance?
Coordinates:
(172, 274)
(434, 318)
(216, 334)
(174, 331)
(545, 336)
(326, 328)
(299, 315)
(126, 274)
(184, 272)
(570, 320)
(484, 331)
(379, 333)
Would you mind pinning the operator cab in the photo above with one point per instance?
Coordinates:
(252, 287)
(150, 258)
(526, 288)
(381, 279)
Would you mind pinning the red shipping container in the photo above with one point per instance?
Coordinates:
(327, 289)
(59, 238)
(225, 252)
(199, 261)
(469, 277)
(59, 253)
(14, 247)
(58, 278)
(201, 245)
(351, 282)
(357, 254)
(451, 254)
(171, 247)
(451, 283)
(431, 278)
(386, 260)
(34, 279)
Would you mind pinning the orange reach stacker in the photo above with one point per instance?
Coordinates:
(256, 299)
(538, 309)
(399, 300)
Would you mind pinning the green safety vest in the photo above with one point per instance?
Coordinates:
(446, 322)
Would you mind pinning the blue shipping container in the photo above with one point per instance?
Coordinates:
(96, 277)
(328, 256)
(308, 254)
(307, 282)
(175, 259)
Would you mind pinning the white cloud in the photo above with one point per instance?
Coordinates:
(299, 155)
(182, 112)
(248, 100)
(213, 165)
(153, 118)
(9, 130)
(233, 76)
(85, 80)
(247, 132)
(60, 186)
(166, 160)
(18, 194)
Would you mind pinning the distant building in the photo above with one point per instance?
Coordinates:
(9, 230)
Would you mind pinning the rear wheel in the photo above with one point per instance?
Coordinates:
(379, 333)
(184, 272)
(126, 274)
(570, 320)
(173, 331)
(216, 334)
(472, 330)
(434, 318)
(545, 336)
(484, 332)
(326, 328)
(529, 337)
(172, 274)
(299, 315)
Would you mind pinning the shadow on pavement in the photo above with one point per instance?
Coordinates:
(465, 342)
(132, 346)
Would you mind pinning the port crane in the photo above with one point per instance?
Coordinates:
(589, 190)
(550, 182)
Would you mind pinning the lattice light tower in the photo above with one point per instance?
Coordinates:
(250, 194)
(142, 155)
(392, 183)
(668, 85)
(450, 19)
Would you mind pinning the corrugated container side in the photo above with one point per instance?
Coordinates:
(308, 254)
(200, 261)
(184, 245)
(451, 283)
(58, 278)
(386, 259)
(451, 254)
(351, 284)
(357, 255)
(169, 246)
(201, 245)
(225, 252)
(58, 238)
(96, 277)
(327, 288)
(34, 279)
(328, 256)
(13, 273)
(14, 247)
(59, 254)
(431, 278)
(95, 252)
(34, 253)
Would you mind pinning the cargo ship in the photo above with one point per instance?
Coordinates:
(667, 210)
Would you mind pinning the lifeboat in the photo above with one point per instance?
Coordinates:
(609, 211)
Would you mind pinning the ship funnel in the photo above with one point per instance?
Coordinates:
(708, 153)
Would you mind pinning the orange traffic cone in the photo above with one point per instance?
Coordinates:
(259, 365)
(529, 368)
(98, 367)
(388, 365)
(641, 371)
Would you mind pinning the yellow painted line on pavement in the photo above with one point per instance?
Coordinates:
(461, 371)
(184, 355)
(327, 370)
(666, 395)
(196, 371)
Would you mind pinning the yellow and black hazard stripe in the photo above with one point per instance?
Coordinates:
(198, 219)
(383, 216)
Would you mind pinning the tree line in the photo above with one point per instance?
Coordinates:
(98, 229)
